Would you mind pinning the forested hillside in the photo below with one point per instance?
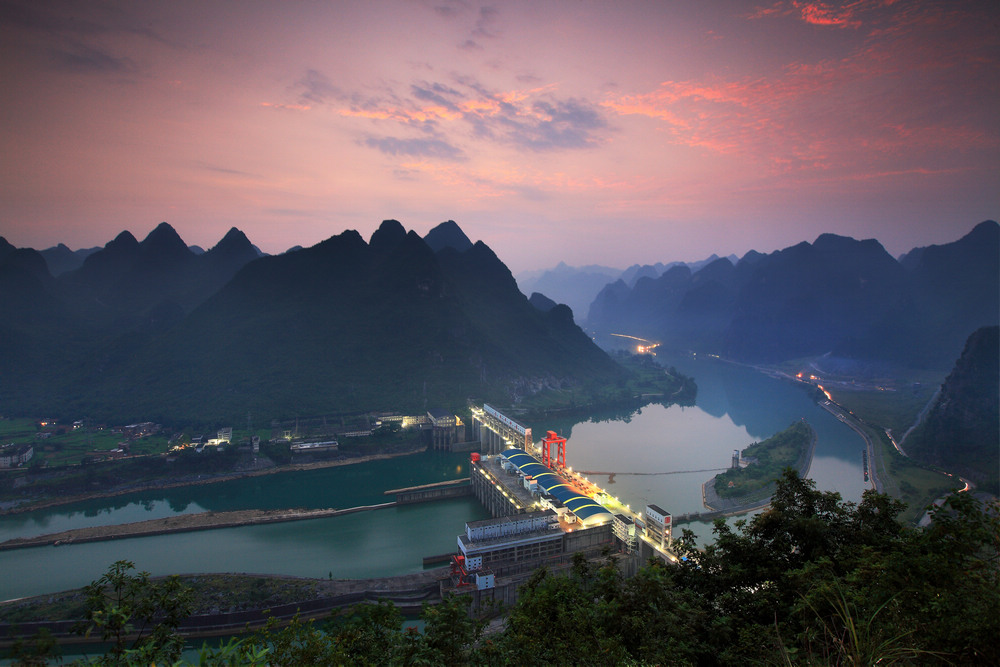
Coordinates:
(151, 331)
(836, 296)
(961, 433)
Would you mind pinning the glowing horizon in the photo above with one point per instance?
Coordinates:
(584, 132)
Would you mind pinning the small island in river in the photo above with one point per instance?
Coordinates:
(750, 483)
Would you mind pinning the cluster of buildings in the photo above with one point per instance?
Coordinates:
(12, 456)
(442, 430)
(543, 514)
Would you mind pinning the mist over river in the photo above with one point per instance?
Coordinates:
(735, 406)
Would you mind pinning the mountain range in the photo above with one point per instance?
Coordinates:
(577, 286)
(151, 330)
(844, 299)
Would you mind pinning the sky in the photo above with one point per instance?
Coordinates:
(607, 132)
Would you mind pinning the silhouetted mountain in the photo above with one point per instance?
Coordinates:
(956, 287)
(389, 235)
(339, 327)
(5, 248)
(197, 249)
(541, 302)
(61, 259)
(962, 430)
(124, 283)
(219, 264)
(447, 235)
(837, 295)
(42, 342)
(25, 276)
(809, 299)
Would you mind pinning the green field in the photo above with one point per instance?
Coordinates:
(915, 484)
(895, 410)
(69, 446)
(907, 480)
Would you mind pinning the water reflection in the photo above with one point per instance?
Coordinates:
(735, 406)
(339, 487)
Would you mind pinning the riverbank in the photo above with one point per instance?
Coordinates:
(874, 453)
(173, 483)
(180, 523)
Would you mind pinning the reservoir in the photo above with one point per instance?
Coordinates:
(736, 406)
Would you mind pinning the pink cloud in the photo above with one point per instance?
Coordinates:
(822, 115)
(820, 13)
(831, 14)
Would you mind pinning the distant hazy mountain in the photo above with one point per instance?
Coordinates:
(339, 327)
(962, 430)
(573, 286)
(632, 274)
(836, 295)
(577, 287)
(61, 259)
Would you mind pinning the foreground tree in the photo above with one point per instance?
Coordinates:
(811, 581)
(816, 580)
(138, 617)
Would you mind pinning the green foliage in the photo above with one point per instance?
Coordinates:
(780, 451)
(816, 579)
(812, 580)
(962, 430)
(895, 410)
(297, 643)
(137, 616)
(37, 650)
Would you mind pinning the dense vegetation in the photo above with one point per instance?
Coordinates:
(644, 382)
(960, 433)
(769, 458)
(811, 581)
(141, 331)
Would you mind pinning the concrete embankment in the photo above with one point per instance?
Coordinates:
(454, 488)
(211, 520)
(874, 453)
(181, 523)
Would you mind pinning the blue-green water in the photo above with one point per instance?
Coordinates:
(338, 487)
(382, 542)
(735, 407)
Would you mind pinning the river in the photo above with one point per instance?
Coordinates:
(735, 406)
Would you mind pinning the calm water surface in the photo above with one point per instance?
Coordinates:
(735, 406)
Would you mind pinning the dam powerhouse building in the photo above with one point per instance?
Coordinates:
(543, 513)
